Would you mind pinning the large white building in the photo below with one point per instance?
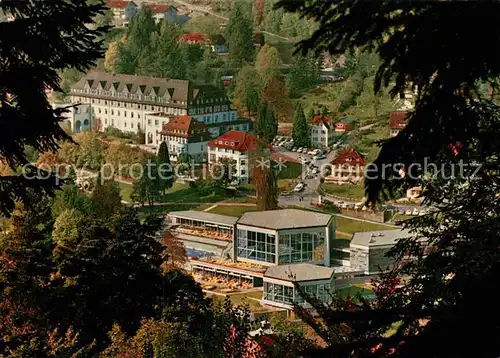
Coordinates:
(125, 101)
(236, 146)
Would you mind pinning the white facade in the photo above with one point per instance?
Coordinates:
(322, 135)
(240, 158)
(154, 123)
(80, 118)
(124, 115)
(178, 145)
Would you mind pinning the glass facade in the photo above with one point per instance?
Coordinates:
(288, 295)
(256, 246)
(301, 247)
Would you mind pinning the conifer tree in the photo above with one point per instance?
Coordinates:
(165, 172)
(300, 133)
(45, 38)
(240, 35)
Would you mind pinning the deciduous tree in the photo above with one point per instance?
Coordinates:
(267, 61)
(105, 199)
(112, 57)
(175, 253)
(275, 95)
(248, 89)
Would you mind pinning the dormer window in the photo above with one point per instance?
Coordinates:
(226, 142)
(232, 144)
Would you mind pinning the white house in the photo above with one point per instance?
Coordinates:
(322, 131)
(183, 134)
(234, 145)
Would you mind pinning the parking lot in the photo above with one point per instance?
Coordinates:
(312, 160)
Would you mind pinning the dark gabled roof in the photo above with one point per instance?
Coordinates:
(350, 157)
(398, 120)
(178, 90)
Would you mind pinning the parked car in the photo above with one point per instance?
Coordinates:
(312, 152)
(320, 157)
(294, 149)
(285, 193)
(326, 202)
(315, 170)
(299, 187)
(299, 150)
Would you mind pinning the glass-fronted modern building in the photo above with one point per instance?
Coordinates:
(284, 237)
(280, 290)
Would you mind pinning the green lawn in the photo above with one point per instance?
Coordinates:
(125, 191)
(352, 226)
(241, 299)
(291, 171)
(356, 192)
(164, 209)
(284, 48)
(233, 210)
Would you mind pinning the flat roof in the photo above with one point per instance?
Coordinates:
(284, 219)
(204, 216)
(380, 237)
(300, 272)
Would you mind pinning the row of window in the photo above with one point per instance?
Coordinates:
(224, 150)
(138, 106)
(289, 295)
(317, 131)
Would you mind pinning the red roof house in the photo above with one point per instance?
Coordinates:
(158, 8)
(398, 121)
(119, 4)
(347, 167)
(319, 119)
(236, 140)
(349, 156)
(193, 39)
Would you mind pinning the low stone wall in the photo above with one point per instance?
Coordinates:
(377, 216)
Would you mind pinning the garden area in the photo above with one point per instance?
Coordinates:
(233, 210)
(351, 225)
(348, 191)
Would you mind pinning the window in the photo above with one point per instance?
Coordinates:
(256, 246)
(125, 124)
(149, 121)
(98, 110)
(243, 171)
(243, 162)
(132, 114)
(105, 111)
(301, 247)
(125, 113)
(156, 122)
(118, 112)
